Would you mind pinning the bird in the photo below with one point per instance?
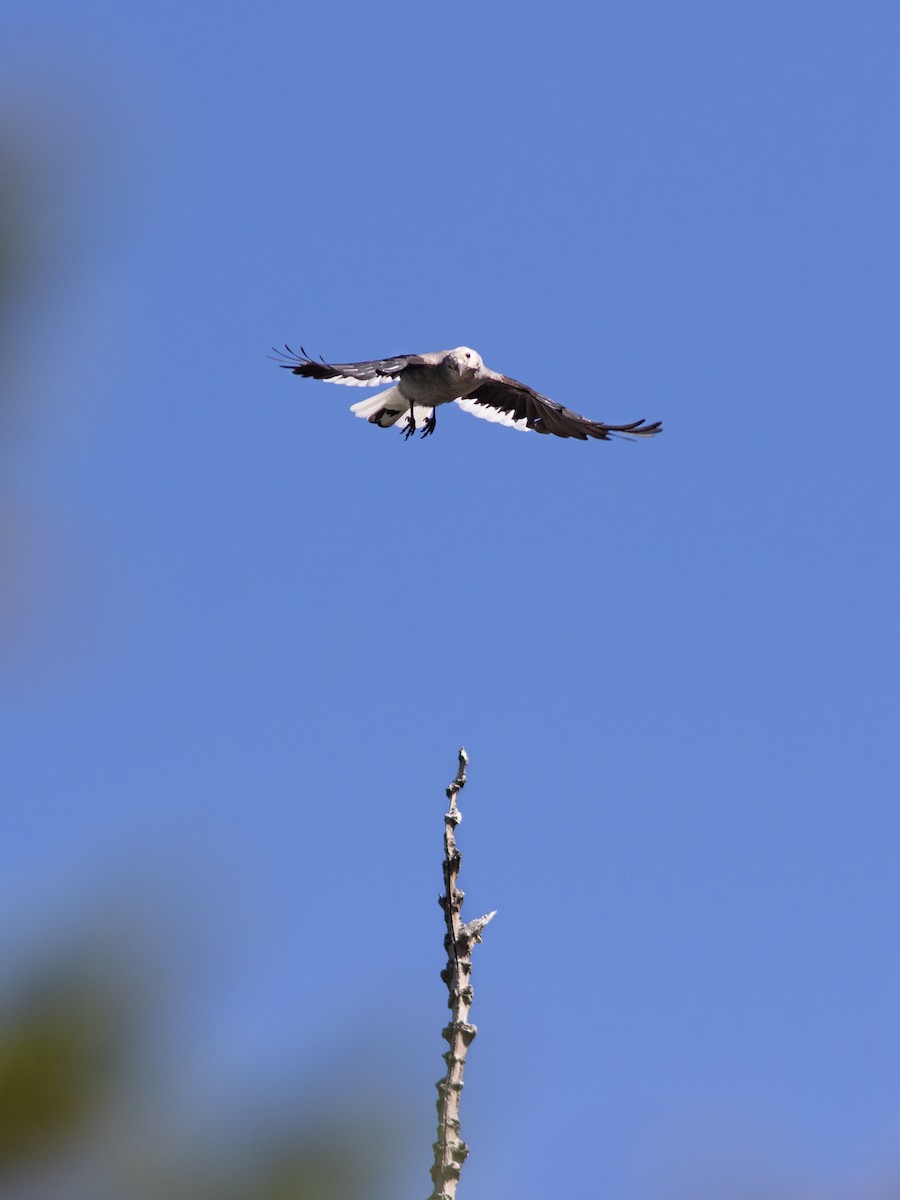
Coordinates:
(423, 382)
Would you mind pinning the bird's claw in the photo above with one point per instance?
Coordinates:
(410, 427)
(430, 424)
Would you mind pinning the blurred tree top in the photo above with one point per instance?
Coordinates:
(58, 1043)
(72, 1040)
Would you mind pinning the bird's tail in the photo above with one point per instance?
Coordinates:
(387, 408)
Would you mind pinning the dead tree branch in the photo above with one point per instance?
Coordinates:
(450, 1150)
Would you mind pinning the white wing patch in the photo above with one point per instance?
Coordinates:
(349, 381)
(492, 414)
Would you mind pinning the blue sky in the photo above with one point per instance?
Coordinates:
(249, 632)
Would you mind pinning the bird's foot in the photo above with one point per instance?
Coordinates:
(430, 424)
(410, 427)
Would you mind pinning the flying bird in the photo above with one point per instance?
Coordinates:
(422, 382)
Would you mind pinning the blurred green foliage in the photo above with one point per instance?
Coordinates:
(77, 1116)
(23, 212)
(74, 1105)
(17, 250)
(59, 1042)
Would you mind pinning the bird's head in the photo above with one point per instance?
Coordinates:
(463, 360)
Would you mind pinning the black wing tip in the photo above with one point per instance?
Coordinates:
(291, 358)
(570, 424)
(636, 429)
(301, 364)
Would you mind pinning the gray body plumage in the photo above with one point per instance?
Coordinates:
(428, 385)
(423, 382)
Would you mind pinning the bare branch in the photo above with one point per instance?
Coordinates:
(450, 1150)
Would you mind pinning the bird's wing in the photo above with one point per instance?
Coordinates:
(501, 416)
(359, 374)
(517, 404)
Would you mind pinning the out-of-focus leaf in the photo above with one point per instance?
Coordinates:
(58, 1046)
(340, 1163)
(16, 243)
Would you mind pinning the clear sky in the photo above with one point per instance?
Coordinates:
(246, 633)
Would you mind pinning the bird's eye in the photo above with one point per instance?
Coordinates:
(468, 356)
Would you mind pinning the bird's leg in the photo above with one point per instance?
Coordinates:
(410, 425)
(430, 423)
